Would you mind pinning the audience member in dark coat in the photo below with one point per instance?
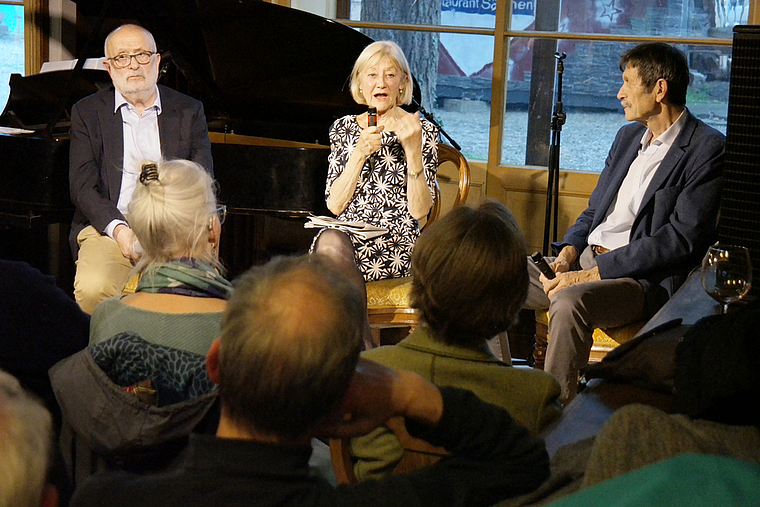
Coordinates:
(39, 326)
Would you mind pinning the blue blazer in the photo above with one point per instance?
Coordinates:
(678, 215)
(96, 155)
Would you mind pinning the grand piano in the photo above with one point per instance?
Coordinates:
(272, 80)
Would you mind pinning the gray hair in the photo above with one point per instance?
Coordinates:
(148, 36)
(171, 215)
(290, 340)
(658, 60)
(26, 438)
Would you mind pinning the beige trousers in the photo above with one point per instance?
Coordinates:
(101, 271)
(574, 313)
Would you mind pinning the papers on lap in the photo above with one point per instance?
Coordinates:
(361, 229)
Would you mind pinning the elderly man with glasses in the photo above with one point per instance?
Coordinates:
(113, 133)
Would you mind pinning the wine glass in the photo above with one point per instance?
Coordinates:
(726, 274)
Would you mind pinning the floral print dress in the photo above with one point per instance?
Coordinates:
(380, 197)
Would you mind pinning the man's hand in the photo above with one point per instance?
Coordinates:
(376, 394)
(562, 280)
(126, 239)
(567, 256)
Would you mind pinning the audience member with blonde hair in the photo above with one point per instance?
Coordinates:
(26, 438)
(180, 296)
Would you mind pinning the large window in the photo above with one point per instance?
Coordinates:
(452, 44)
(11, 44)
(598, 32)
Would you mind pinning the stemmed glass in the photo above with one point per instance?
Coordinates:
(726, 274)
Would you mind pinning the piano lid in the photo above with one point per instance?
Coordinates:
(260, 69)
(34, 99)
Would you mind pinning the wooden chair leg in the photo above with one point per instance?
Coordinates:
(542, 340)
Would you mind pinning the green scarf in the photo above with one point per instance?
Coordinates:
(185, 276)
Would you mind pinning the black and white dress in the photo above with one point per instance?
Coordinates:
(380, 197)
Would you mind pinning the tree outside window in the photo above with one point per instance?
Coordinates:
(454, 65)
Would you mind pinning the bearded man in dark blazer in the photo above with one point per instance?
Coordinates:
(113, 133)
(649, 220)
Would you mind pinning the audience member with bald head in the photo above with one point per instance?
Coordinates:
(288, 366)
(113, 134)
(289, 345)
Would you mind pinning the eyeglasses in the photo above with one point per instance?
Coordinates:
(221, 213)
(122, 61)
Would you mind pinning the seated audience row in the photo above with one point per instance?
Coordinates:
(300, 376)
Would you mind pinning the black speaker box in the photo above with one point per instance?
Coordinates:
(739, 220)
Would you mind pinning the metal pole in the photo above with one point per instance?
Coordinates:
(552, 187)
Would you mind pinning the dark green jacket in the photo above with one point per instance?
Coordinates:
(529, 395)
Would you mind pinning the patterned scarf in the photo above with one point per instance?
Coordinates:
(187, 277)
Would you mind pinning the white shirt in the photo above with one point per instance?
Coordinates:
(142, 144)
(615, 229)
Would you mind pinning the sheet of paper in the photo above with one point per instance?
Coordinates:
(360, 229)
(14, 131)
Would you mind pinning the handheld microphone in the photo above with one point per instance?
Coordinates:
(372, 117)
(372, 122)
(543, 266)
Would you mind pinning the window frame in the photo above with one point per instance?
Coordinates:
(502, 34)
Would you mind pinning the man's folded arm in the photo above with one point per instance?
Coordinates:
(492, 458)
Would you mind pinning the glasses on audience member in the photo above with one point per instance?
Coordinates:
(122, 61)
(221, 213)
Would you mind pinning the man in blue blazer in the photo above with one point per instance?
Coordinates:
(649, 220)
(113, 133)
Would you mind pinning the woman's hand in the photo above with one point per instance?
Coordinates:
(409, 132)
(370, 140)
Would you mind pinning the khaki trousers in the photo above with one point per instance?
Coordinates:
(574, 313)
(101, 271)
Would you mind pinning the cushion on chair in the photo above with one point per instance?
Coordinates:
(392, 293)
(612, 337)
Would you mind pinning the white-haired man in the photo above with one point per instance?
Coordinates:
(114, 132)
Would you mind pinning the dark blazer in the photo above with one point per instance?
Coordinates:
(96, 155)
(678, 215)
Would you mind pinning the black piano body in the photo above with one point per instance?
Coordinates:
(272, 80)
